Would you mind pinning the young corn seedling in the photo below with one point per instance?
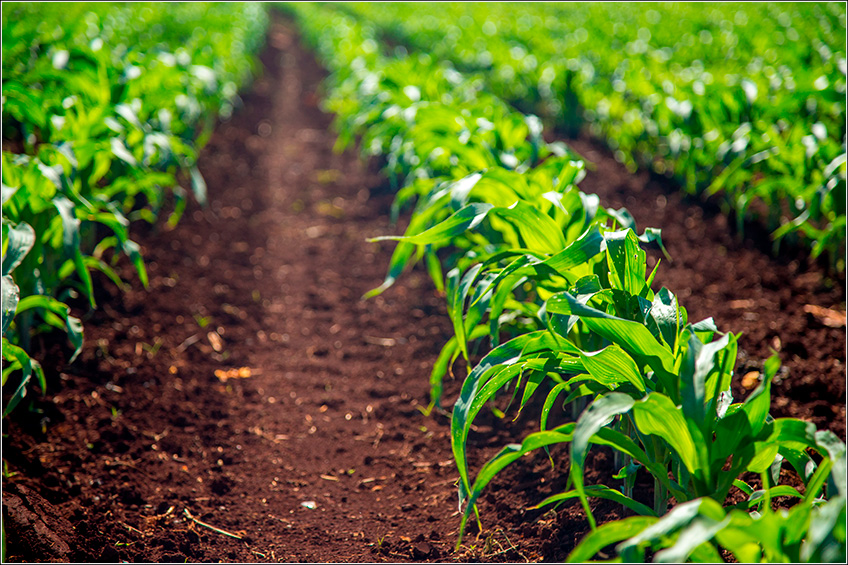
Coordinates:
(662, 399)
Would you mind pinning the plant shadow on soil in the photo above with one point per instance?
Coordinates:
(249, 406)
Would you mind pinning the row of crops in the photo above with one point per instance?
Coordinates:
(743, 100)
(105, 108)
(559, 286)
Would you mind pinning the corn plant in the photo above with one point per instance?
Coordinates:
(749, 117)
(662, 400)
(106, 105)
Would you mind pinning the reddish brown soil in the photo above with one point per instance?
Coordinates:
(321, 451)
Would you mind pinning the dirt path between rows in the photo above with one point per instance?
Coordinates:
(250, 390)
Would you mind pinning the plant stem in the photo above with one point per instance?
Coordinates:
(660, 498)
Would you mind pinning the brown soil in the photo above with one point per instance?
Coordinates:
(318, 450)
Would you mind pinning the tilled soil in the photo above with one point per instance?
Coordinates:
(249, 406)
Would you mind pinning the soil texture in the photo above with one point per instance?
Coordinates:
(249, 407)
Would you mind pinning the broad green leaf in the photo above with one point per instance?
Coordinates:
(588, 245)
(668, 315)
(633, 337)
(608, 534)
(764, 456)
(611, 366)
(596, 416)
(11, 296)
(694, 537)
(626, 261)
(657, 415)
(740, 538)
(679, 517)
(505, 354)
(708, 361)
(538, 230)
(460, 221)
(20, 240)
(73, 326)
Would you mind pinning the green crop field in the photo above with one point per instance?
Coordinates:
(468, 109)
(560, 285)
(743, 100)
(104, 106)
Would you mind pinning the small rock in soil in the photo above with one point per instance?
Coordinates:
(421, 550)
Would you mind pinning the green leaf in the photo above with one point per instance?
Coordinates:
(599, 491)
(11, 295)
(611, 366)
(70, 224)
(633, 337)
(626, 261)
(764, 455)
(693, 391)
(756, 406)
(508, 455)
(27, 365)
(669, 317)
(693, 537)
(457, 291)
(73, 326)
(825, 521)
(829, 443)
(460, 221)
(503, 355)
(608, 534)
(538, 230)
(680, 516)
(596, 416)
(400, 257)
(758, 496)
(550, 399)
(21, 238)
(588, 245)
(198, 186)
(657, 415)
(120, 151)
